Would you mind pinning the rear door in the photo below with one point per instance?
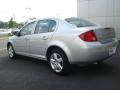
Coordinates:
(41, 37)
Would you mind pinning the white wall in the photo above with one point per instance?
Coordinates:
(103, 12)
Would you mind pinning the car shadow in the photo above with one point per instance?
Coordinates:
(76, 70)
(93, 69)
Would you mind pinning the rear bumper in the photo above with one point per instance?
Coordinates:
(89, 54)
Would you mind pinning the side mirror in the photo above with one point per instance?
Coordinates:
(15, 33)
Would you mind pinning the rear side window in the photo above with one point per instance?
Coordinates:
(80, 22)
(45, 26)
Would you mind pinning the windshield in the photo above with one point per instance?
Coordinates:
(80, 22)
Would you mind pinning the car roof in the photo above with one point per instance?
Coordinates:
(53, 18)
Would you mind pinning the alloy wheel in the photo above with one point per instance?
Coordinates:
(56, 62)
(11, 51)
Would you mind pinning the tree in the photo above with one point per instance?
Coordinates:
(11, 23)
(14, 24)
(3, 25)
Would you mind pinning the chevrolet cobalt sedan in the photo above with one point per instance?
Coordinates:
(63, 42)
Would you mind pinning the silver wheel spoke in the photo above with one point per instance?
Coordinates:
(59, 60)
(10, 51)
(55, 56)
(52, 61)
(59, 66)
(55, 67)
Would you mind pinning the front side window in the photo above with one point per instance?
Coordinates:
(44, 26)
(27, 30)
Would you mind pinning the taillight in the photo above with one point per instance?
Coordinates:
(88, 36)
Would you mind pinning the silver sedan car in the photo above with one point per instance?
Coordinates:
(63, 42)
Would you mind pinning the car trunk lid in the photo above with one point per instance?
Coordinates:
(103, 34)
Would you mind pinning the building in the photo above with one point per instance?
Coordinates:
(103, 12)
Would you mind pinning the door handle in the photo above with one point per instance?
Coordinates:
(44, 38)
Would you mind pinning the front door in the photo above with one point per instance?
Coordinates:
(22, 40)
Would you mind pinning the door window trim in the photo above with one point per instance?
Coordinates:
(27, 25)
(49, 26)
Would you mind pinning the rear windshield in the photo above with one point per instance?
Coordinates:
(80, 22)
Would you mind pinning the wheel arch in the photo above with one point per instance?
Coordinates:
(62, 47)
(8, 43)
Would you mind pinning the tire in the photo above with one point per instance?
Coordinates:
(11, 52)
(58, 62)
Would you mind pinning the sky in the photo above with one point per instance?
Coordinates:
(21, 10)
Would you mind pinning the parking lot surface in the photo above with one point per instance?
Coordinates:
(3, 43)
(31, 74)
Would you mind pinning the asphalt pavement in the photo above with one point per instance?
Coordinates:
(3, 43)
(31, 74)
